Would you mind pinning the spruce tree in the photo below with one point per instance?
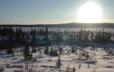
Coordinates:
(58, 63)
(73, 69)
(33, 40)
(73, 50)
(46, 50)
(55, 53)
(26, 53)
(60, 50)
(52, 52)
(10, 41)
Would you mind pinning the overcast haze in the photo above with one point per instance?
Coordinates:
(48, 11)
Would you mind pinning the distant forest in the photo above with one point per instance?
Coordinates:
(10, 38)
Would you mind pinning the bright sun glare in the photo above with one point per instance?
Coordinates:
(90, 12)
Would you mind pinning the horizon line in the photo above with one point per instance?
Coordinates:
(54, 23)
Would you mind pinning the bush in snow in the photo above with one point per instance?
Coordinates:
(9, 51)
(1, 69)
(34, 59)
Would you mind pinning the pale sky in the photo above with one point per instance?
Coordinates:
(48, 11)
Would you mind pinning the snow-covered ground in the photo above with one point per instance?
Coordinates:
(104, 63)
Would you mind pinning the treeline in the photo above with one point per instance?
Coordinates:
(10, 38)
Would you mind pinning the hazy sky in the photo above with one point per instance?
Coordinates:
(48, 11)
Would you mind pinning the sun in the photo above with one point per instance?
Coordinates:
(90, 12)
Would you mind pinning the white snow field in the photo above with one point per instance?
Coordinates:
(46, 63)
